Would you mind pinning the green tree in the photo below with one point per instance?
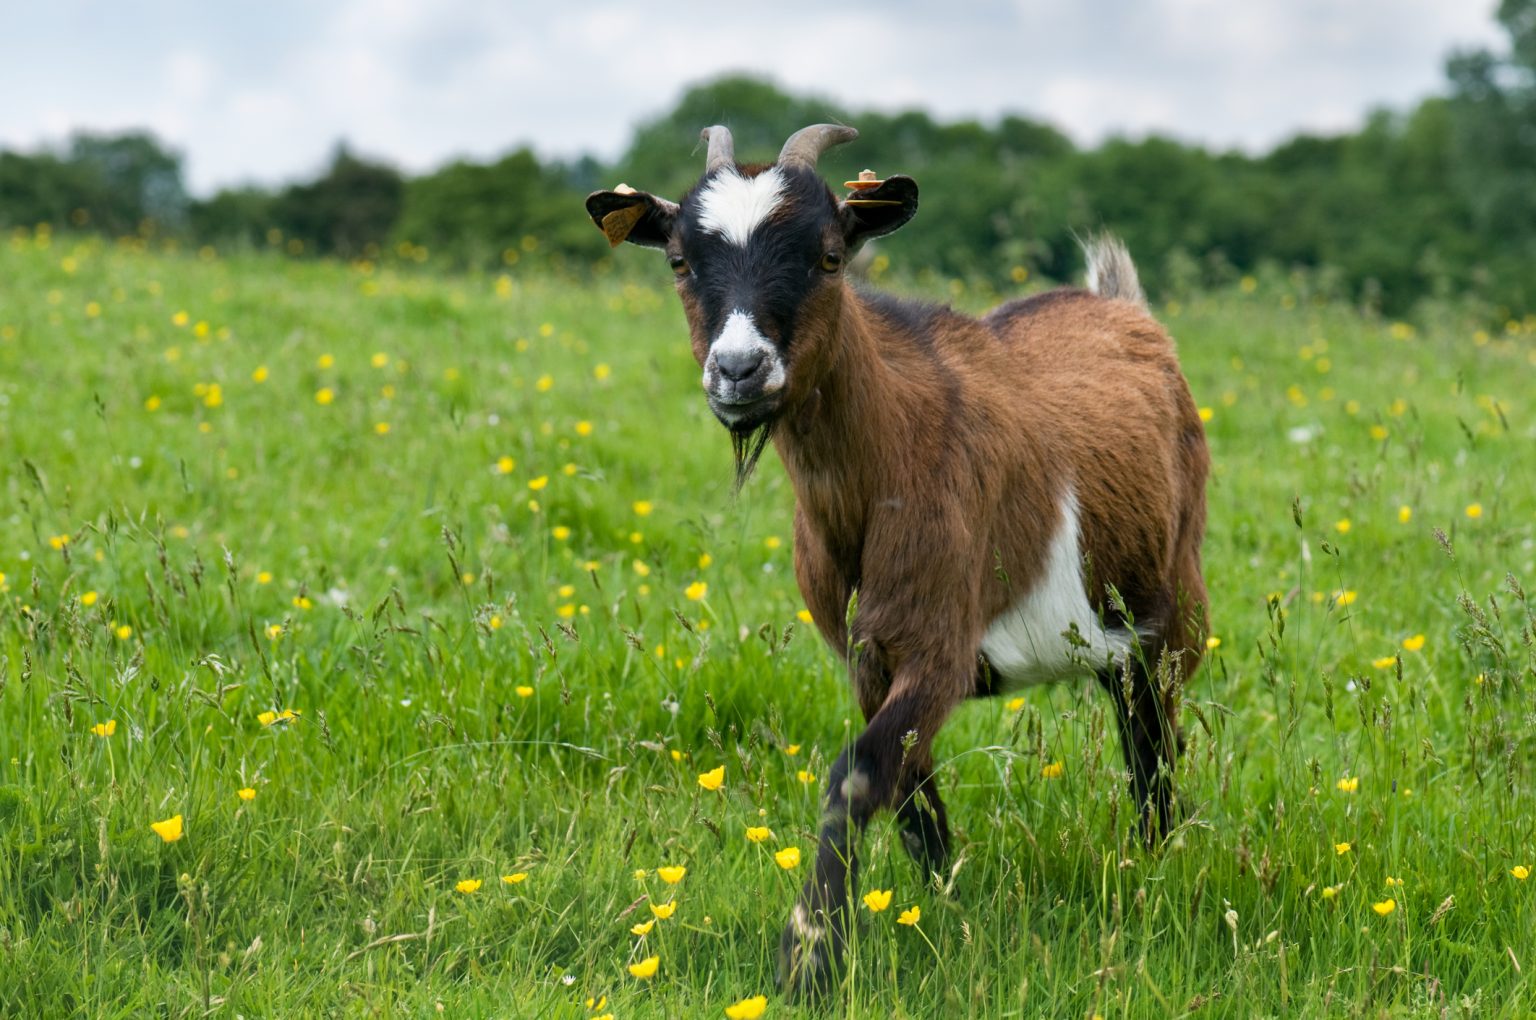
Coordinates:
(348, 211)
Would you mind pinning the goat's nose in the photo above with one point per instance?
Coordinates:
(737, 365)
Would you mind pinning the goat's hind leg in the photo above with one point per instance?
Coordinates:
(1149, 740)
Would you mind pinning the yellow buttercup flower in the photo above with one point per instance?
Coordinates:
(1349, 784)
(1341, 848)
(469, 885)
(246, 793)
(910, 916)
(792, 750)
(515, 877)
(646, 968)
(538, 483)
(1014, 704)
(642, 507)
(878, 899)
(123, 631)
(1474, 510)
(1385, 662)
(643, 929)
(671, 876)
(804, 616)
(748, 1009)
(1330, 891)
(1414, 643)
(696, 591)
(788, 858)
(1053, 770)
(523, 691)
(713, 779)
(805, 777)
(1385, 907)
(1521, 872)
(169, 830)
(664, 910)
(759, 833)
(105, 729)
(88, 599)
(324, 395)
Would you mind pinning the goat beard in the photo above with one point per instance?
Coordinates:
(747, 446)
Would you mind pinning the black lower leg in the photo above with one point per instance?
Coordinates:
(812, 945)
(1146, 738)
(865, 778)
(924, 825)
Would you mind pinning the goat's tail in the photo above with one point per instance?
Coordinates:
(1111, 273)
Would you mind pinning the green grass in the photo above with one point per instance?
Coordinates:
(417, 587)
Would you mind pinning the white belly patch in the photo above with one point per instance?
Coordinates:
(1025, 644)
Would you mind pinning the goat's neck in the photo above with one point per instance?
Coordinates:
(834, 444)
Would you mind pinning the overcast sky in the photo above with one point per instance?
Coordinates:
(261, 91)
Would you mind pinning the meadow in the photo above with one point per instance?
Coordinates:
(372, 638)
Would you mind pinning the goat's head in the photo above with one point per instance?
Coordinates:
(759, 252)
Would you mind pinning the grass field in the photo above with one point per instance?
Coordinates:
(422, 600)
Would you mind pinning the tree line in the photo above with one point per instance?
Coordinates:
(1437, 201)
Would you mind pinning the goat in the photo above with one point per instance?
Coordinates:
(1012, 500)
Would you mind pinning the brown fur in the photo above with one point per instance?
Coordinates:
(928, 473)
(930, 454)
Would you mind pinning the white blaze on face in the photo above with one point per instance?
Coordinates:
(1025, 643)
(733, 206)
(740, 336)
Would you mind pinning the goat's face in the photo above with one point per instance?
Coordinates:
(758, 254)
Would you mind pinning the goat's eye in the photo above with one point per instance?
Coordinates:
(831, 262)
(679, 265)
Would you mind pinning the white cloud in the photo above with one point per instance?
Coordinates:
(419, 82)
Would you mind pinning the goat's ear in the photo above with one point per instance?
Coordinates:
(876, 212)
(634, 216)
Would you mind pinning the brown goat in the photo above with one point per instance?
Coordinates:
(1012, 500)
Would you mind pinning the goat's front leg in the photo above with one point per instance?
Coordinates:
(870, 775)
(924, 822)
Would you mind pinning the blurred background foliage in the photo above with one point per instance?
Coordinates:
(1432, 203)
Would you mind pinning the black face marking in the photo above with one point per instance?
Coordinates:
(749, 296)
(771, 275)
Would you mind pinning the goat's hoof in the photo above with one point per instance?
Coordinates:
(810, 955)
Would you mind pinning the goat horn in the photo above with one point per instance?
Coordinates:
(806, 145)
(722, 148)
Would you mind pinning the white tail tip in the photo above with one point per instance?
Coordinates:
(1111, 273)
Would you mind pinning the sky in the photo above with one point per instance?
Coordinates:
(262, 92)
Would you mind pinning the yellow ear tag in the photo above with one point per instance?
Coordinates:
(618, 224)
(867, 181)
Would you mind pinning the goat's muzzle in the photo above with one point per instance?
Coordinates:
(743, 375)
